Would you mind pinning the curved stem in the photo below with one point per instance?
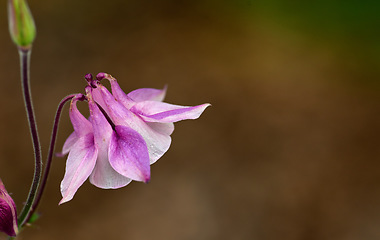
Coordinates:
(50, 153)
(25, 64)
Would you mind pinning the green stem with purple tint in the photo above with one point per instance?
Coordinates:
(25, 64)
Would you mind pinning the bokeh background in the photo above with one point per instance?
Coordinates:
(289, 149)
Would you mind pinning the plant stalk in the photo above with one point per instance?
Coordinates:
(25, 82)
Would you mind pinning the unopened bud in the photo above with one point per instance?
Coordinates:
(21, 23)
(8, 214)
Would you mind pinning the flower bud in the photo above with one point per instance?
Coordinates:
(8, 214)
(21, 23)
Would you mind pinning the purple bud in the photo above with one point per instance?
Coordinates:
(8, 214)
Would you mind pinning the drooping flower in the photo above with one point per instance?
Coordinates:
(8, 213)
(123, 136)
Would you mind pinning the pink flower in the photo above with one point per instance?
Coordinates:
(8, 214)
(123, 136)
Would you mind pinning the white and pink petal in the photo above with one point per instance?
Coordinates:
(148, 94)
(81, 125)
(152, 111)
(103, 175)
(69, 143)
(120, 95)
(128, 154)
(80, 163)
(162, 128)
(157, 142)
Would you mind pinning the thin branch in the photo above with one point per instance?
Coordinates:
(25, 64)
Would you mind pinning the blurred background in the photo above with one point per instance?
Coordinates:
(289, 149)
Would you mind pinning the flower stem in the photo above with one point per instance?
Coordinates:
(25, 64)
(50, 153)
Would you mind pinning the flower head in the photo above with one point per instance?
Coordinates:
(8, 214)
(123, 136)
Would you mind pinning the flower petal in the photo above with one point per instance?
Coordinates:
(81, 125)
(163, 128)
(147, 94)
(129, 155)
(70, 141)
(80, 163)
(97, 97)
(138, 95)
(120, 95)
(157, 142)
(152, 111)
(103, 175)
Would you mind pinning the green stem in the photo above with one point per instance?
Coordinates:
(25, 64)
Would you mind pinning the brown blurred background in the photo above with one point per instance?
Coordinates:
(289, 149)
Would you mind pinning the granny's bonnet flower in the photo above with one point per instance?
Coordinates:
(8, 214)
(123, 136)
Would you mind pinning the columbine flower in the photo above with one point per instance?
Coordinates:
(123, 136)
(8, 214)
